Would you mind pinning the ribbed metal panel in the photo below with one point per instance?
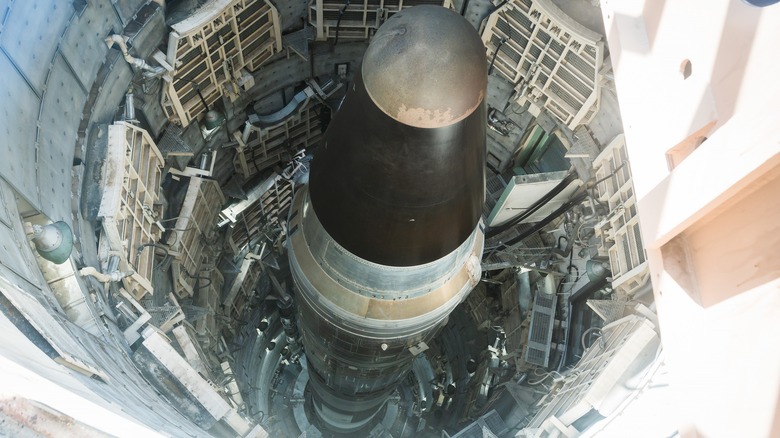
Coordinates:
(626, 344)
(608, 310)
(495, 423)
(487, 426)
(493, 187)
(537, 350)
(172, 143)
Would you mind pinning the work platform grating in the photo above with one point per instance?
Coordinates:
(194, 226)
(553, 61)
(537, 350)
(620, 234)
(268, 146)
(359, 20)
(211, 50)
(129, 208)
(207, 297)
(624, 348)
(263, 216)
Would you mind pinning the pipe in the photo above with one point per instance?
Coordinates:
(104, 278)
(140, 63)
(129, 105)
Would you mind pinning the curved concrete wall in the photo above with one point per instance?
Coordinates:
(59, 82)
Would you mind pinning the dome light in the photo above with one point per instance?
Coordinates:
(54, 242)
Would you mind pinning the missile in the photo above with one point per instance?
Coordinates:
(386, 239)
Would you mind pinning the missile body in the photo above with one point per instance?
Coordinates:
(386, 239)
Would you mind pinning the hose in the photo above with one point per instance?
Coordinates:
(495, 54)
(196, 277)
(589, 331)
(145, 245)
(567, 244)
(544, 377)
(140, 63)
(104, 278)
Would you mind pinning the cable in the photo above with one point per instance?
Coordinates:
(150, 90)
(561, 327)
(169, 219)
(566, 336)
(498, 7)
(610, 175)
(559, 243)
(141, 249)
(544, 377)
(493, 59)
(533, 208)
(338, 22)
(183, 230)
(197, 90)
(197, 277)
(515, 112)
(577, 236)
(589, 331)
(464, 7)
(568, 268)
(569, 310)
(541, 224)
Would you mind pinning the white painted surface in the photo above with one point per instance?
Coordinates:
(523, 191)
(187, 375)
(25, 371)
(719, 315)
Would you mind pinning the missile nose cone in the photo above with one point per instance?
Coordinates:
(386, 240)
(399, 179)
(426, 69)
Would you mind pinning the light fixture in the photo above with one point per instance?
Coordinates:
(212, 122)
(54, 242)
(761, 3)
(214, 119)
